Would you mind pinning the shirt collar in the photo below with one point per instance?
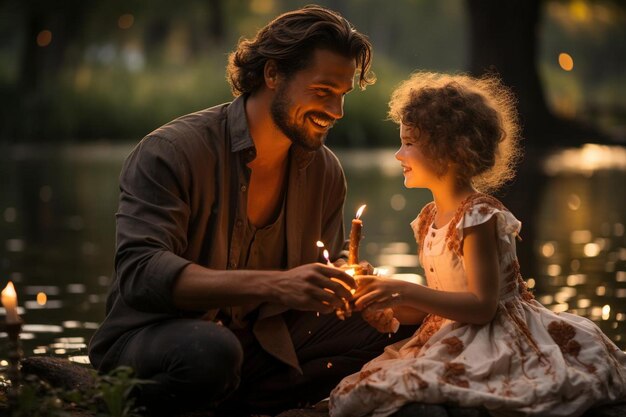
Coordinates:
(240, 138)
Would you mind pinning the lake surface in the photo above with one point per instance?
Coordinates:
(57, 233)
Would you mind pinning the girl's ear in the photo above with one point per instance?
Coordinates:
(270, 74)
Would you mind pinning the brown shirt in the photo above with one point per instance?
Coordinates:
(183, 199)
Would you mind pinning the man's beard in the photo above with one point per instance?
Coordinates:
(279, 109)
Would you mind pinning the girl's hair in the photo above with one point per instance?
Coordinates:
(290, 40)
(461, 120)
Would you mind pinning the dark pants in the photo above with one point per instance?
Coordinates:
(198, 364)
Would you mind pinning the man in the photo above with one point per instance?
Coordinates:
(218, 289)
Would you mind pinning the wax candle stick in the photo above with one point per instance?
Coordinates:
(9, 302)
(355, 237)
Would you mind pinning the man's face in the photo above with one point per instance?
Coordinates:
(307, 104)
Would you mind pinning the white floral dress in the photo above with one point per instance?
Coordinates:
(526, 361)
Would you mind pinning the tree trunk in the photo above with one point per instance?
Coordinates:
(503, 40)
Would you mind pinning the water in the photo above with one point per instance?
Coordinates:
(57, 234)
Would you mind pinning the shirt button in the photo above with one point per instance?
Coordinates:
(431, 269)
(243, 188)
(233, 265)
(433, 234)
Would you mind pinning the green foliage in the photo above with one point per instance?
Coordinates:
(110, 396)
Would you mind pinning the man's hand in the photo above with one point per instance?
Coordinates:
(314, 287)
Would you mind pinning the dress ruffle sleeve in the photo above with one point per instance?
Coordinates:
(507, 225)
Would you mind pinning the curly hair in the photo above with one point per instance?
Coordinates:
(290, 40)
(461, 120)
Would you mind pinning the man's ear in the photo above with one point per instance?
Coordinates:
(270, 73)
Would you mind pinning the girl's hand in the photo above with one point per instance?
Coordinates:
(382, 320)
(378, 293)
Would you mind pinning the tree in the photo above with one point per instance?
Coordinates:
(503, 40)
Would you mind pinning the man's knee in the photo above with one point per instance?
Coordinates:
(210, 357)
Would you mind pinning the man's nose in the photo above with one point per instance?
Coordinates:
(335, 107)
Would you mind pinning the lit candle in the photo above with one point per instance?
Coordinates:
(9, 301)
(327, 257)
(355, 237)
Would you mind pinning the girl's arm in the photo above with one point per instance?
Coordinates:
(477, 305)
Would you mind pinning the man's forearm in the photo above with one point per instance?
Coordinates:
(199, 288)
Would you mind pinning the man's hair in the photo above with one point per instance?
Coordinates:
(290, 40)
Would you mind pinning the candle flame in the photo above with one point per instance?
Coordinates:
(360, 211)
(350, 271)
(319, 244)
(9, 291)
(326, 255)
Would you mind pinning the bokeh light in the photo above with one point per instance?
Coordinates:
(126, 21)
(44, 38)
(566, 62)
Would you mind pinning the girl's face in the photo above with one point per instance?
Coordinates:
(416, 168)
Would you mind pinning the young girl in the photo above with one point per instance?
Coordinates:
(484, 340)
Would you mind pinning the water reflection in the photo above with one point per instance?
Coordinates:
(581, 236)
(57, 234)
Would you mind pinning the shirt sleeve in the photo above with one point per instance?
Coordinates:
(152, 221)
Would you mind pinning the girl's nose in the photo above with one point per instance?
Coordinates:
(398, 155)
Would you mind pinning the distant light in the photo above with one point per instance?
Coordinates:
(83, 359)
(580, 236)
(126, 21)
(579, 10)
(4, 363)
(591, 157)
(546, 299)
(398, 202)
(262, 6)
(44, 38)
(618, 229)
(399, 260)
(564, 294)
(553, 270)
(573, 202)
(575, 265)
(606, 312)
(530, 283)
(591, 249)
(559, 308)
(42, 298)
(10, 214)
(76, 288)
(601, 290)
(576, 279)
(15, 245)
(547, 249)
(583, 303)
(566, 61)
(620, 276)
